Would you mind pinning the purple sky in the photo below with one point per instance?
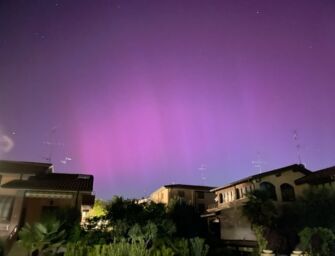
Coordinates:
(142, 93)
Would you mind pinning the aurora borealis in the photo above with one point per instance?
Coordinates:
(143, 93)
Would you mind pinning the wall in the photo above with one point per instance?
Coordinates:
(33, 206)
(234, 225)
(229, 193)
(6, 227)
(285, 177)
(161, 195)
(164, 195)
(188, 194)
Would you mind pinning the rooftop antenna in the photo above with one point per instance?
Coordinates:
(66, 160)
(203, 169)
(297, 145)
(50, 143)
(258, 164)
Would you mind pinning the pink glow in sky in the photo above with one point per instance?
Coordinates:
(142, 93)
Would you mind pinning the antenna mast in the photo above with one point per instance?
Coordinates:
(50, 143)
(258, 164)
(202, 170)
(297, 145)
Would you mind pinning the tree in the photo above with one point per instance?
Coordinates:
(98, 210)
(262, 213)
(125, 210)
(186, 218)
(260, 209)
(317, 208)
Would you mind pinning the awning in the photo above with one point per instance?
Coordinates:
(48, 194)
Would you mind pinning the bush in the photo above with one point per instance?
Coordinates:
(317, 241)
(138, 247)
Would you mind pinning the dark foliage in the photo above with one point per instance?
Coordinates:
(186, 218)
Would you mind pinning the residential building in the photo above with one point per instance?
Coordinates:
(30, 190)
(321, 178)
(198, 196)
(225, 215)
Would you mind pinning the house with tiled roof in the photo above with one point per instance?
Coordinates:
(196, 195)
(323, 177)
(225, 217)
(28, 190)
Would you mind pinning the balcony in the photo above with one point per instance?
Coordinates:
(212, 207)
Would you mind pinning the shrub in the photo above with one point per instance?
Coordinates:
(317, 241)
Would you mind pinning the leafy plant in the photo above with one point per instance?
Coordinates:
(260, 209)
(198, 247)
(186, 218)
(163, 251)
(44, 238)
(181, 247)
(317, 241)
(261, 240)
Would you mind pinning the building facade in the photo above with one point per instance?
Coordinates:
(29, 191)
(198, 196)
(226, 212)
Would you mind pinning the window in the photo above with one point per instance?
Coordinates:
(6, 207)
(243, 191)
(237, 193)
(270, 188)
(220, 198)
(287, 192)
(200, 195)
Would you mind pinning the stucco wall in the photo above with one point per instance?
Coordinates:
(161, 195)
(285, 177)
(6, 227)
(233, 225)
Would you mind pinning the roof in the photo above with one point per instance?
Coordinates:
(295, 167)
(185, 186)
(54, 181)
(318, 177)
(24, 167)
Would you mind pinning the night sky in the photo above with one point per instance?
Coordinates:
(144, 93)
